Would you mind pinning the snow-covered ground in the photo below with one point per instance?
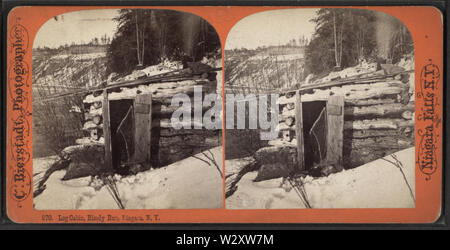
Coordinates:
(166, 66)
(187, 184)
(377, 184)
(40, 165)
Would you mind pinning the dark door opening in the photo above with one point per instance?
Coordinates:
(122, 134)
(314, 133)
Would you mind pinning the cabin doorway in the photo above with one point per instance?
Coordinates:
(129, 128)
(122, 133)
(314, 133)
(322, 124)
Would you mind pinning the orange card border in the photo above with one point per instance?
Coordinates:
(23, 24)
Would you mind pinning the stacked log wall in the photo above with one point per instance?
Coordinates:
(171, 145)
(378, 117)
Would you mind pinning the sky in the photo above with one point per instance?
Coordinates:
(261, 29)
(77, 27)
(275, 27)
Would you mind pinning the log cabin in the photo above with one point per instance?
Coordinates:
(132, 121)
(349, 122)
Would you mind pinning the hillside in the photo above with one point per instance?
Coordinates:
(60, 71)
(75, 66)
(268, 68)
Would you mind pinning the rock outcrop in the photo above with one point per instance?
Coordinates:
(86, 160)
(275, 161)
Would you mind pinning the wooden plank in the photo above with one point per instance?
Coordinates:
(335, 135)
(107, 132)
(334, 109)
(143, 126)
(370, 133)
(299, 132)
(142, 108)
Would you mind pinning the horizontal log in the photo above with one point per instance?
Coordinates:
(378, 110)
(166, 97)
(159, 91)
(179, 140)
(143, 88)
(283, 126)
(286, 110)
(373, 110)
(408, 115)
(286, 114)
(89, 141)
(360, 134)
(323, 95)
(167, 110)
(380, 143)
(89, 125)
(367, 133)
(95, 110)
(367, 102)
(387, 78)
(191, 143)
(74, 149)
(283, 100)
(379, 123)
(282, 118)
(89, 115)
(171, 132)
(290, 106)
(97, 104)
(166, 123)
(281, 142)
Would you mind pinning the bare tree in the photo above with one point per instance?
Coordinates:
(338, 37)
(55, 121)
(140, 39)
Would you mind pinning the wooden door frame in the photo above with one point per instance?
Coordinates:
(334, 140)
(145, 156)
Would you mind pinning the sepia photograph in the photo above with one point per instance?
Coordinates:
(125, 109)
(221, 115)
(323, 110)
